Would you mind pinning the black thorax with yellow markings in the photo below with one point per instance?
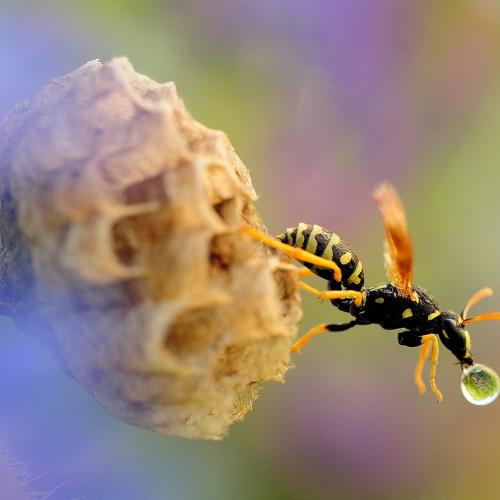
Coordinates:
(385, 306)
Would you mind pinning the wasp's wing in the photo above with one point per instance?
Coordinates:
(398, 246)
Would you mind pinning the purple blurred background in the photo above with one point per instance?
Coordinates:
(322, 100)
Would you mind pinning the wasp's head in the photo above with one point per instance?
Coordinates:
(453, 333)
(456, 338)
(480, 384)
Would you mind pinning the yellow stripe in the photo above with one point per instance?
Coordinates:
(354, 278)
(407, 313)
(344, 259)
(288, 234)
(299, 241)
(312, 244)
(433, 315)
(328, 251)
(380, 300)
(335, 239)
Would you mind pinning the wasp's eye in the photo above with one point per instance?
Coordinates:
(452, 329)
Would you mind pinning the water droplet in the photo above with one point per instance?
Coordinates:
(480, 384)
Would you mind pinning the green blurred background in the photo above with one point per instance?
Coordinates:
(322, 99)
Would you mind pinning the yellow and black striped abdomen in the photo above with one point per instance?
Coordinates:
(330, 246)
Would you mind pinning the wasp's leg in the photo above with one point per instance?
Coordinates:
(415, 339)
(302, 272)
(296, 253)
(305, 273)
(321, 328)
(333, 294)
(432, 337)
(424, 352)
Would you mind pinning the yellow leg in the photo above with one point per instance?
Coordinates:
(296, 253)
(304, 273)
(424, 352)
(333, 294)
(321, 328)
(431, 337)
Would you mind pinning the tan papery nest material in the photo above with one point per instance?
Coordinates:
(120, 250)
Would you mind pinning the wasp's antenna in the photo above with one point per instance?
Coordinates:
(483, 317)
(480, 294)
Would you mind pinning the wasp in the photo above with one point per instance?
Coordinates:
(398, 304)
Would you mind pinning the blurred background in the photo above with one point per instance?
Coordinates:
(322, 99)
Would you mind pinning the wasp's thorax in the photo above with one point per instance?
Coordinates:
(455, 337)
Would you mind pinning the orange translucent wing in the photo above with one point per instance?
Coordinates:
(398, 246)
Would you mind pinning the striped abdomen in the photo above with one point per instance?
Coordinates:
(330, 246)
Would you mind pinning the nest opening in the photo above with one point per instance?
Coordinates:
(223, 251)
(227, 210)
(193, 330)
(150, 189)
(133, 235)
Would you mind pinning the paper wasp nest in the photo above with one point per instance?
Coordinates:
(120, 250)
